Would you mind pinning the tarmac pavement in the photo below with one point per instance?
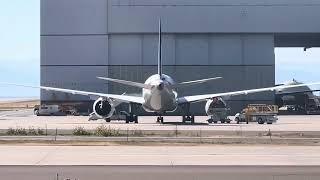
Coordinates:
(26, 119)
(160, 172)
(161, 155)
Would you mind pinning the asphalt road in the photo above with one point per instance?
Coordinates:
(160, 172)
(164, 155)
(16, 113)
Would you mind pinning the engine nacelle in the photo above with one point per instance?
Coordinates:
(103, 108)
(215, 105)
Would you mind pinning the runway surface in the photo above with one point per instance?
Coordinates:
(160, 162)
(160, 155)
(160, 172)
(26, 119)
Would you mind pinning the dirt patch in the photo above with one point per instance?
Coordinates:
(12, 105)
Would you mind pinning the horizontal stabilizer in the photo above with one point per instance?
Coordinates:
(129, 83)
(196, 81)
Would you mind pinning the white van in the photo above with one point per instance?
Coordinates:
(48, 110)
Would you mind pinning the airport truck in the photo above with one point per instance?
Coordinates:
(260, 113)
(48, 110)
(55, 110)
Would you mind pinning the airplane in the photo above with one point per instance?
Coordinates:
(159, 94)
(301, 99)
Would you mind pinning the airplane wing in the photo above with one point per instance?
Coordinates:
(196, 98)
(122, 98)
(297, 92)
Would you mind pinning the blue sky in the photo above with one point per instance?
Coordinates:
(298, 64)
(19, 45)
(20, 51)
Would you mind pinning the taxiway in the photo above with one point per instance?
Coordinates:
(26, 119)
(160, 172)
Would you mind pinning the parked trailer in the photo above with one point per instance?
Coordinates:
(260, 113)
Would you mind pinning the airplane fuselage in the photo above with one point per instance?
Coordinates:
(161, 97)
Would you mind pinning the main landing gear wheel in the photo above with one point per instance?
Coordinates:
(160, 119)
(188, 119)
(132, 118)
(260, 121)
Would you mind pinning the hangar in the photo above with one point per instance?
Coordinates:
(235, 39)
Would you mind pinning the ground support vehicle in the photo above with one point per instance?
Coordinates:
(48, 110)
(260, 113)
(219, 115)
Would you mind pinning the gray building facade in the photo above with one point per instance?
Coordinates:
(235, 39)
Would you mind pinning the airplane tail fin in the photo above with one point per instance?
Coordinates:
(159, 51)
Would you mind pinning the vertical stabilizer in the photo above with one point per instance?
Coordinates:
(159, 51)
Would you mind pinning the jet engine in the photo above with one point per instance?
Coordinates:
(215, 105)
(103, 108)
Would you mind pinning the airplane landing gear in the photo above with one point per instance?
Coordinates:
(188, 119)
(160, 119)
(130, 117)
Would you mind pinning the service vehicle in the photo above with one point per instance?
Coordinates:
(48, 110)
(260, 113)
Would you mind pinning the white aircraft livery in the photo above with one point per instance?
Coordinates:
(158, 94)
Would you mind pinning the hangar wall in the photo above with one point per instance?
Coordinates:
(82, 39)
